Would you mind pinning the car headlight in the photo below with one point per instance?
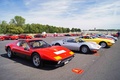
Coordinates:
(58, 58)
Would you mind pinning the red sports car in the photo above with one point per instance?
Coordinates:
(2, 38)
(6, 37)
(24, 36)
(13, 37)
(39, 52)
(10, 37)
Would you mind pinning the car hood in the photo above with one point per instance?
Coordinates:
(50, 53)
(106, 38)
(91, 43)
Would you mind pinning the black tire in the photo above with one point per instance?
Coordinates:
(9, 53)
(57, 44)
(84, 49)
(103, 44)
(36, 60)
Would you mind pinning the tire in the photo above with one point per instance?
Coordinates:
(57, 44)
(103, 44)
(36, 60)
(9, 53)
(84, 49)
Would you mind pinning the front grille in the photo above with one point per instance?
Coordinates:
(66, 59)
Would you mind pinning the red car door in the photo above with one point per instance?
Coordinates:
(22, 48)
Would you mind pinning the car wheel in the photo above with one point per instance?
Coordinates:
(36, 60)
(57, 44)
(84, 49)
(103, 44)
(9, 53)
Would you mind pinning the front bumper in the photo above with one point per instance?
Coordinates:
(94, 50)
(58, 63)
(110, 44)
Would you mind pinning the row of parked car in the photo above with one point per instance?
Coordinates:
(59, 52)
(86, 43)
(21, 36)
(24, 36)
(15, 37)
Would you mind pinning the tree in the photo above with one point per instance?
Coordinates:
(4, 27)
(12, 21)
(18, 21)
(17, 25)
(79, 30)
(67, 29)
(72, 30)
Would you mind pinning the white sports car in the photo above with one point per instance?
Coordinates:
(78, 45)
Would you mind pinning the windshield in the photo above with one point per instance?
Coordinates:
(93, 37)
(79, 40)
(39, 44)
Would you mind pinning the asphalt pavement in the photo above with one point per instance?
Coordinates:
(104, 65)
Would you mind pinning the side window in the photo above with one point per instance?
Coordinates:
(86, 37)
(22, 44)
(19, 43)
(71, 40)
(36, 44)
(25, 45)
(81, 37)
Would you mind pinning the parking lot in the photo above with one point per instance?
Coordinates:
(103, 65)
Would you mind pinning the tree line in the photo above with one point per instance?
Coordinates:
(17, 26)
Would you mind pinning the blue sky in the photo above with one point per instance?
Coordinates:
(83, 14)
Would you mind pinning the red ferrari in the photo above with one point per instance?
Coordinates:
(39, 52)
(2, 38)
(13, 37)
(6, 37)
(24, 36)
(10, 37)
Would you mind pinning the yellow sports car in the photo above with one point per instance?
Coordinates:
(101, 41)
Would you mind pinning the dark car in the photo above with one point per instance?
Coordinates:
(39, 36)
